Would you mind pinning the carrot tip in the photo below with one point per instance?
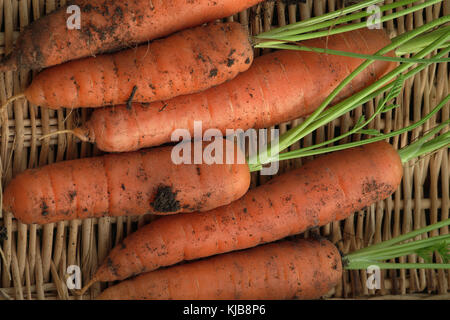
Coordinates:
(82, 291)
(81, 133)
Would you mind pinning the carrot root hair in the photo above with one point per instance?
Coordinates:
(83, 290)
(12, 99)
(80, 132)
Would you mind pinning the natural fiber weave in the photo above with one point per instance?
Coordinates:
(34, 258)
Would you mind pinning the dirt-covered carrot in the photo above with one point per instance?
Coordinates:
(109, 25)
(278, 87)
(328, 188)
(302, 269)
(187, 62)
(147, 181)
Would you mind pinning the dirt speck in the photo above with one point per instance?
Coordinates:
(44, 208)
(213, 73)
(72, 195)
(165, 200)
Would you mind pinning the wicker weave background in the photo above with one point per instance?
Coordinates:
(34, 258)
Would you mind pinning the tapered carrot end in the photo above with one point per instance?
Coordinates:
(83, 290)
(82, 133)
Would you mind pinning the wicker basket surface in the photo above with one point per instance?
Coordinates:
(35, 258)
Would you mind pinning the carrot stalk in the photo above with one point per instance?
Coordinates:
(300, 47)
(340, 109)
(405, 154)
(422, 146)
(393, 248)
(300, 33)
(386, 78)
(309, 125)
(418, 43)
(313, 22)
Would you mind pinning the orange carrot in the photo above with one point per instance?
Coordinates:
(187, 62)
(134, 183)
(109, 25)
(302, 269)
(326, 189)
(278, 87)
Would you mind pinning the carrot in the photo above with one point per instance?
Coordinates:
(134, 183)
(302, 269)
(187, 62)
(328, 188)
(110, 25)
(278, 87)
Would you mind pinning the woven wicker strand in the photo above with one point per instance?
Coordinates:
(34, 259)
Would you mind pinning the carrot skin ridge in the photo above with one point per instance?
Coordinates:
(321, 191)
(186, 62)
(302, 269)
(136, 183)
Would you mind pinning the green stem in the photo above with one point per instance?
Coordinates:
(435, 144)
(308, 126)
(401, 249)
(404, 237)
(300, 47)
(377, 92)
(390, 249)
(422, 41)
(332, 110)
(340, 17)
(348, 27)
(292, 135)
(421, 146)
(361, 265)
(323, 17)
